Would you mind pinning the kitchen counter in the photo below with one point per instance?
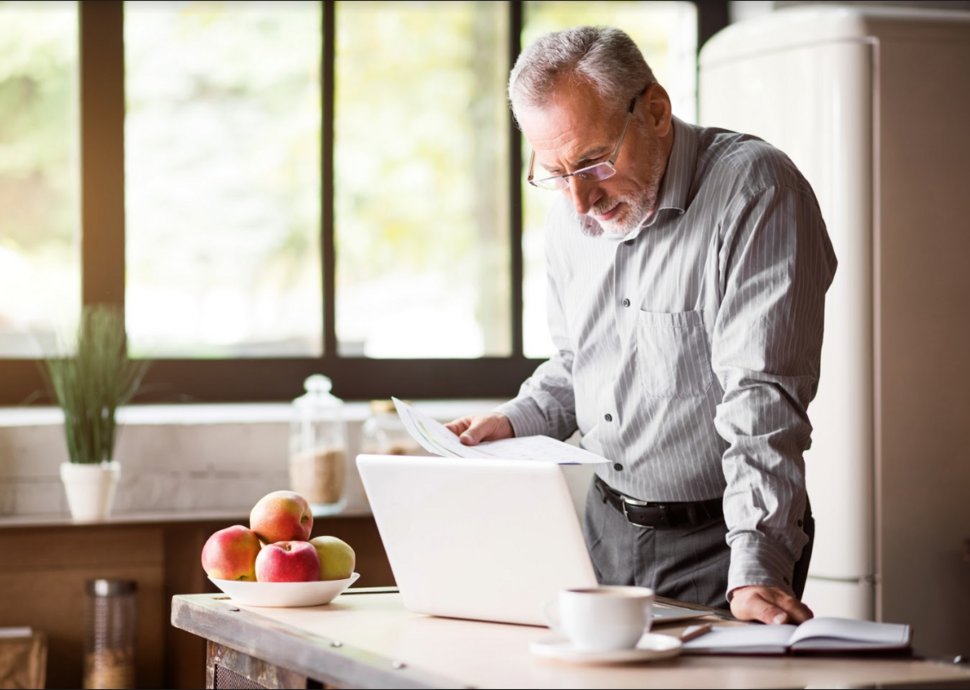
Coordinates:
(366, 638)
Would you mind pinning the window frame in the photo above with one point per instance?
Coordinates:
(102, 116)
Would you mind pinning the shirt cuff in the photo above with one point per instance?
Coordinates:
(756, 562)
(526, 417)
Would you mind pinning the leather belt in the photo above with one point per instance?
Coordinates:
(660, 515)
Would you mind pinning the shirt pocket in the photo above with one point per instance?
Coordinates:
(673, 354)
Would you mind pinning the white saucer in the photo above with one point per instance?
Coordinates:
(651, 647)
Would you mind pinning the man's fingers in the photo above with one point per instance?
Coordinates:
(800, 613)
(481, 429)
(458, 426)
(472, 435)
(768, 613)
(492, 427)
(791, 609)
(768, 605)
(470, 430)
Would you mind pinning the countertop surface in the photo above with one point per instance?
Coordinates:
(367, 638)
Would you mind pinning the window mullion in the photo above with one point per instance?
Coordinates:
(515, 196)
(328, 232)
(102, 95)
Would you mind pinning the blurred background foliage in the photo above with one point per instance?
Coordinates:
(39, 174)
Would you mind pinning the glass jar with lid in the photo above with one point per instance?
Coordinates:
(109, 648)
(318, 446)
(383, 433)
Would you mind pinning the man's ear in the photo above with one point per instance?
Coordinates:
(657, 110)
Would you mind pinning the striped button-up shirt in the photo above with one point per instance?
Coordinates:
(687, 352)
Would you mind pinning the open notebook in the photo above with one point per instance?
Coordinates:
(827, 634)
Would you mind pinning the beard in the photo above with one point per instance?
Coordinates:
(638, 207)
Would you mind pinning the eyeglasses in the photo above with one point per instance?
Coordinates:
(596, 172)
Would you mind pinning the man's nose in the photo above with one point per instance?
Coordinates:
(583, 193)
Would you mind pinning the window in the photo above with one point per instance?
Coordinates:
(222, 179)
(421, 159)
(40, 261)
(274, 189)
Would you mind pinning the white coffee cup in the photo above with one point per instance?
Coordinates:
(604, 618)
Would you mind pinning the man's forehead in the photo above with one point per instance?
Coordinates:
(566, 128)
(571, 106)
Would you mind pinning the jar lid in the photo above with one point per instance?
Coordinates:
(318, 393)
(111, 588)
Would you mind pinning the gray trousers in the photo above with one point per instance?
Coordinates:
(689, 564)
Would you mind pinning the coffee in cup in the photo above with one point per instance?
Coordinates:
(604, 618)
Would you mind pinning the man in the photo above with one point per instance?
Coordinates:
(687, 270)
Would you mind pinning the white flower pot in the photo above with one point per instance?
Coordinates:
(90, 488)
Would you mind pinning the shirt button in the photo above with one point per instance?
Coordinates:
(626, 302)
(618, 467)
(608, 417)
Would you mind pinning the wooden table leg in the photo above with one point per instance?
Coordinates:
(227, 668)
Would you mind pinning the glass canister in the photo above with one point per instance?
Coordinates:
(109, 650)
(383, 433)
(318, 446)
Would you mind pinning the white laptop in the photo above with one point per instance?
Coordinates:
(482, 539)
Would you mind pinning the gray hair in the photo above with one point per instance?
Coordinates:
(604, 57)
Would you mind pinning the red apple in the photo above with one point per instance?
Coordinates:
(230, 554)
(288, 561)
(281, 516)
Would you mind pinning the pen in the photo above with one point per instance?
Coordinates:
(694, 631)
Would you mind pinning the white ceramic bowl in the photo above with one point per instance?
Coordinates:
(284, 593)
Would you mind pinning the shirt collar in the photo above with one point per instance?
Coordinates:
(677, 178)
(679, 174)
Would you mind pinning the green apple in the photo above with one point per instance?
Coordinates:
(337, 559)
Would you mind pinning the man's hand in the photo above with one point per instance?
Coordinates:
(768, 605)
(473, 430)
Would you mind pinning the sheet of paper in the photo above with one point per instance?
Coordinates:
(435, 438)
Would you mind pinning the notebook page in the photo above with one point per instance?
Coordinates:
(849, 633)
(743, 639)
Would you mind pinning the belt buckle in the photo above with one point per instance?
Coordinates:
(642, 504)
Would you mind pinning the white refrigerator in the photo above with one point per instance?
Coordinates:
(873, 106)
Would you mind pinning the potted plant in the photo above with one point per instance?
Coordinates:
(90, 381)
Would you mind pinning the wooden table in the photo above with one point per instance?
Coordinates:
(366, 638)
